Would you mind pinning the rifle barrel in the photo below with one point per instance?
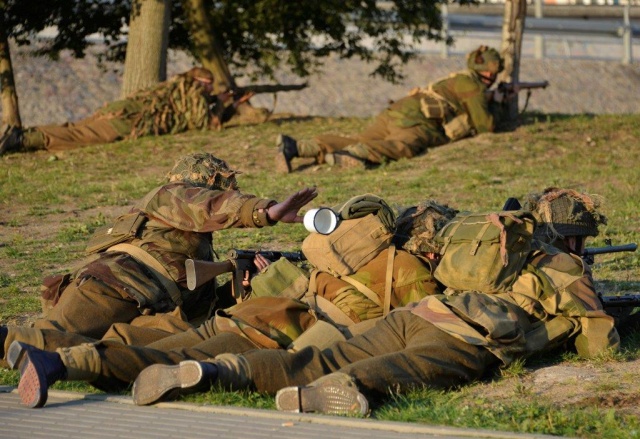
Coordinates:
(610, 249)
(624, 301)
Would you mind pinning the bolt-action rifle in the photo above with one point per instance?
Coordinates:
(511, 88)
(239, 263)
(590, 252)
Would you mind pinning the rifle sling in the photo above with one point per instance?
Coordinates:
(157, 269)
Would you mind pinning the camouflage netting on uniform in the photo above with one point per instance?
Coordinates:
(171, 107)
(204, 170)
(417, 226)
(565, 212)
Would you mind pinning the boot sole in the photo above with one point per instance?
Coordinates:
(331, 400)
(33, 388)
(160, 382)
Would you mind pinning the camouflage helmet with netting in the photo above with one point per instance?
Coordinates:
(417, 226)
(485, 59)
(204, 170)
(565, 212)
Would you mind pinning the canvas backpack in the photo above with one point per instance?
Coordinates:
(484, 251)
(354, 243)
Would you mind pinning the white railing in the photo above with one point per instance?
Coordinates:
(541, 27)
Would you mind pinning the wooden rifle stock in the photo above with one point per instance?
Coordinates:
(201, 272)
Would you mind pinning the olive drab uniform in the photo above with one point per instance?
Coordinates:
(173, 106)
(450, 339)
(147, 276)
(261, 322)
(407, 128)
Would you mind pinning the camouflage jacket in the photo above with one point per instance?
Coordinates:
(269, 322)
(553, 302)
(465, 93)
(173, 106)
(406, 113)
(412, 280)
(181, 219)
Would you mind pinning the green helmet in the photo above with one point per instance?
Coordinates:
(204, 170)
(485, 59)
(565, 212)
(417, 226)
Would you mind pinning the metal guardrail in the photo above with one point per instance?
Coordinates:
(540, 27)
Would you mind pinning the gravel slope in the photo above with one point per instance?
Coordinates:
(70, 89)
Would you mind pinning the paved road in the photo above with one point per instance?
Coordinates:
(76, 416)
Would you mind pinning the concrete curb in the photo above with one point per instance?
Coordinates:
(334, 421)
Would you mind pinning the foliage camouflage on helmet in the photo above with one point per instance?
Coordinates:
(417, 226)
(485, 59)
(204, 170)
(565, 212)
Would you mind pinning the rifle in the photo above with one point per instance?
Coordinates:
(589, 252)
(509, 88)
(240, 264)
(514, 87)
(621, 308)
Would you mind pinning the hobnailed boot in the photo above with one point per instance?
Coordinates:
(287, 151)
(38, 370)
(333, 394)
(162, 382)
(344, 160)
(11, 140)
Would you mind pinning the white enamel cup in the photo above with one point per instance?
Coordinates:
(322, 220)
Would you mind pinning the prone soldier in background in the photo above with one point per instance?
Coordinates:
(182, 103)
(447, 110)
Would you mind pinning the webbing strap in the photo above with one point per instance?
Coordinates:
(389, 280)
(156, 268)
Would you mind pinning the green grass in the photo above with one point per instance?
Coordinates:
(49, 206)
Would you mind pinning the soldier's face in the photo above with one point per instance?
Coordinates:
(487, 77)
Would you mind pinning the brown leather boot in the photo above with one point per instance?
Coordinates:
(162, 382)
(287, 151)
(344, 160)
(38, 370)
(333, 394)
(11, 139)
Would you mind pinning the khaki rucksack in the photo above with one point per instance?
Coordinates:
(484, 251)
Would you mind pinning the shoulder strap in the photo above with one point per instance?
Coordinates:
(389, 280)
(158, 270)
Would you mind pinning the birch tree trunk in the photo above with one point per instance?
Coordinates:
(146, 59)
(515, 12)
(10, 108)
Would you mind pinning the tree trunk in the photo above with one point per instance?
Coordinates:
(206, 47)
(515, 12)
(10, 108)
(146, 60)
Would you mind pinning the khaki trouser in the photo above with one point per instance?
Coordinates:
(384, 140)
(400, 352)
(83, 133)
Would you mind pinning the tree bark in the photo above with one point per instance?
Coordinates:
(10, 108)
(515, 13)
(206, 47)
(146, 60)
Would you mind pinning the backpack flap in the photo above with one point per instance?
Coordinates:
(484, 251)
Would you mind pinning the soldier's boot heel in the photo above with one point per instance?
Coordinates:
(331, 398)
(38, 371)
(162, 382)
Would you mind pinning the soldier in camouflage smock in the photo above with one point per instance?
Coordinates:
(447, 110)
(145, 274)
(182, 103)
(261, 322)
(442, 341)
